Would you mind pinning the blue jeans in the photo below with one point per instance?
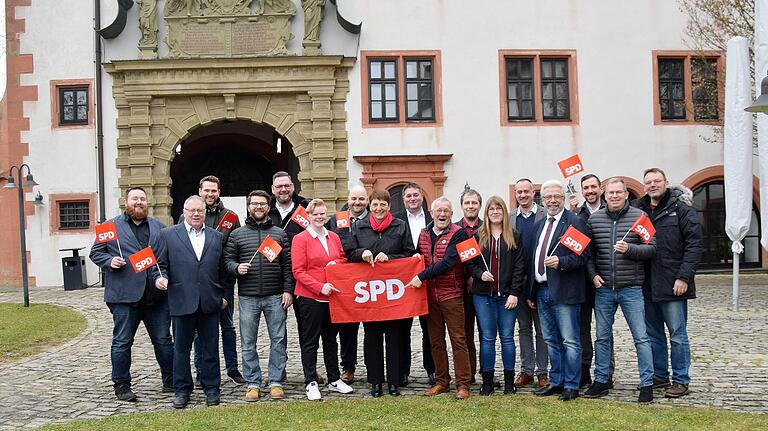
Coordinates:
(632, 305)
(184, 330)
(493, 318)
(251, 308)
(673, 314)
(560, 325)
(228, 335)
(126, 320)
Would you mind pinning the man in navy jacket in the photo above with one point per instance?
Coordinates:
(190, 256)
(557, 282)
(132, 297)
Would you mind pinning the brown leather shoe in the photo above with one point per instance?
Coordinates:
(523, 380)
(436, 390)
(462, 393)
(676, 391)
(348, 377)
(543, 381)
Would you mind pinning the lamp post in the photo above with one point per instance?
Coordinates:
(29, 181)
(761, 103)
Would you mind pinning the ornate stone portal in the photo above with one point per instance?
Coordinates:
(160, 102)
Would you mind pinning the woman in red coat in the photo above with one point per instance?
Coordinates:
(311, 251)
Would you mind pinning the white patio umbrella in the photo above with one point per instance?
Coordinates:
(737, 151)
(761, 68)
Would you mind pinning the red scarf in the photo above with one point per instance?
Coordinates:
(380, 227)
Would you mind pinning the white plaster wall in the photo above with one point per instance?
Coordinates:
(613, 42)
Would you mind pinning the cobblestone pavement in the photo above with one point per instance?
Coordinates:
(729, 354)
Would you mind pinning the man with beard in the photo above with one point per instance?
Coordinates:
(132, 297)
(593, 201)
(471, 201)
(210, 191)
(416, 219)
(357, 205)
(263, 286)
(284, 203)
(445, 295)
(532, 361)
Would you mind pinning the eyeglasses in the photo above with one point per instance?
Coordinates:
(443, 211)
(552, 197)
(259, 204)
(195, 211)
(283, 186)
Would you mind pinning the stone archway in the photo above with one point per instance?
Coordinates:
(161, 102)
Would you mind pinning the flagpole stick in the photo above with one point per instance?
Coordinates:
(253, 257)
(119, 250)
(553, 250)
(159, 270)
(625, 235)
(486, 263)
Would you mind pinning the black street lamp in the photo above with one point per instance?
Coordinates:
(761, 104)
(29, 181)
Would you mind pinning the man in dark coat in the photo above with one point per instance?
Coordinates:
(190, 256)
(132, 297)
(670, 278)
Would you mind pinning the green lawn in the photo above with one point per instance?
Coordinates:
(441, 413)
(24, 332)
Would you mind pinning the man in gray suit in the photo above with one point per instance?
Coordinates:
(132, 297)
(528, 213)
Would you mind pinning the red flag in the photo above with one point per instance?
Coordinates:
(575, 240)
(300, 216)
(644, 228)
(468, 249)
(143, 259)
(228, 222)
(106, 232)
(270, 248)
(373, 294)
(571, 166)
(342, 220)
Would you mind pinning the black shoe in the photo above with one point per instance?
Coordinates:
(548, 390)
(124, 393)
(212, 400)
(394, 391)
(610, 381)
(180, 401)
(658, 384)
(487, 387)
(569, 394)
(404, 382)
(586, 378)
(646, 394)
(236, 377)
(376, 390)
(431, 380)
(596, 390)
(168, 389)
(198, 382)
(509, 382)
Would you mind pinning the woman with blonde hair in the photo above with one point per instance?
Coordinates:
(498, 284)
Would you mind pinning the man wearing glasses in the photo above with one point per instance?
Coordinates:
(284, 203)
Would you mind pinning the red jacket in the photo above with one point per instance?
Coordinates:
(308, 258)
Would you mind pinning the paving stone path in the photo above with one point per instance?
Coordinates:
(729, 353)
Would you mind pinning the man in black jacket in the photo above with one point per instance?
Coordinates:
(669, 284)
(284, 203)
(263, 286)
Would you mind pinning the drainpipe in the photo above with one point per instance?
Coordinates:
(99, 123)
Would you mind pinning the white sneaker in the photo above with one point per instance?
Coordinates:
(340, 386)
(313, 392)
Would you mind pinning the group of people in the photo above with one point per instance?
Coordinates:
(523, 277)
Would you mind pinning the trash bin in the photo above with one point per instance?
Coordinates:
(74, 270)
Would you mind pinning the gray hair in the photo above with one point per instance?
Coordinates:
(194, 198)
(614, 180)
(439, 200)
(549, 184)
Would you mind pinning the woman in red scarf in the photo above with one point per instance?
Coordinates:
(379, 238)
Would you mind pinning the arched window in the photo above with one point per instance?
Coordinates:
(709, 201)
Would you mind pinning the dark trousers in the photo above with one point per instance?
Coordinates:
(126, 321)
(449, 314)
(316, 323)
(426, 346)
(469, 332)
(348, 342)
(184, 328)
(228, 335)
(373, 350)
(405, 348)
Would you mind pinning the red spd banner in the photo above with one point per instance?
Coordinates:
(143, 259)
(468, 249)
(270, 248)
(300, 216)
(106, 232)
(575, 240)
(342, 220)
(378, 293)
(644, 228)
(228, 222)
(570, 166)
